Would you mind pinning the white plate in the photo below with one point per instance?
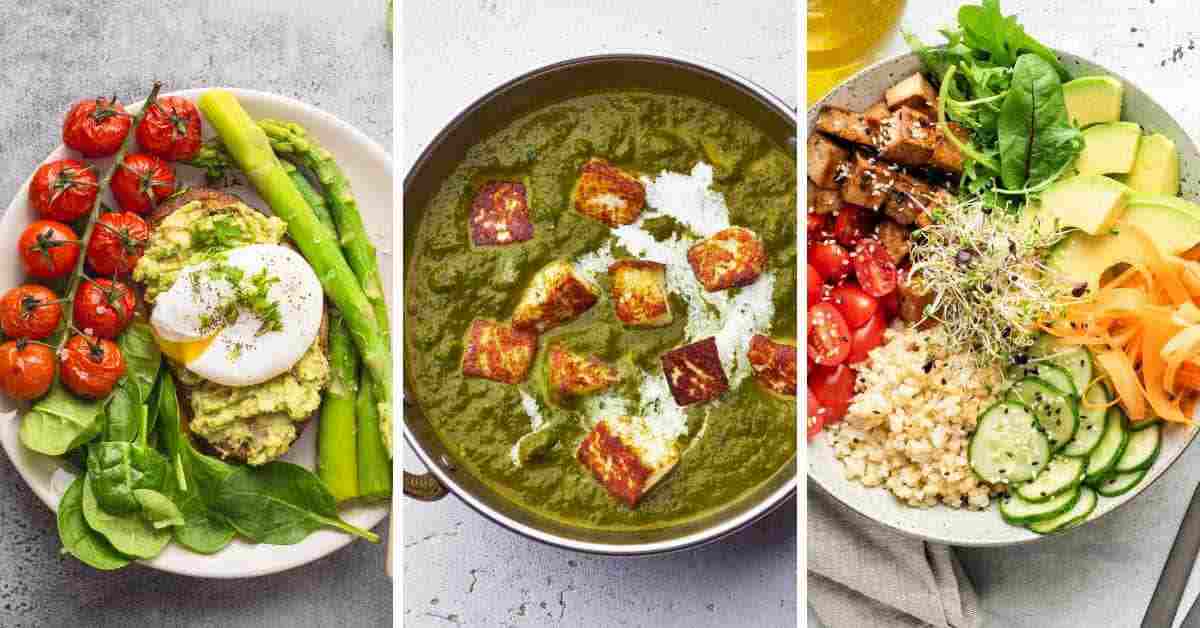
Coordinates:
(986, 528)
(369, 169)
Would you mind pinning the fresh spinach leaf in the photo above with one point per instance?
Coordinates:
(130, 534)
(60, 422)
(80, 540)
(124, 413)
(1002, 39)
(142, 358)
(195, 478)
(1036, 138)
(158, 509)
(281, 504)
(117, 469)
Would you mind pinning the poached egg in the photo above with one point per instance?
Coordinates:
(242, 320)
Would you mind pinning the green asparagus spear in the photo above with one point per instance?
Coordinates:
(293, 142)
(374, 466)
(337, 447)
(311, 195)
(252, 151)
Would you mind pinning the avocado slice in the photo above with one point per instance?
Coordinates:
(1091, 203)
(1083, 258)
(1110, 147)
(1156, 168)
(1093, 99)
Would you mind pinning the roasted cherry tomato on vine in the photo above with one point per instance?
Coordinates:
(828, 335)
(834, 388)
(63, 190)
(815, 284)
(30, 311)
(831, 260)
(142, 182)
(118, 241)
(816, 415)
(865, 338)
(170, 129)
(49, 249)
(856, 306)
(26, 369)
(96, 127)
(853, 224)
(104, 307)
(91, 366)
(874, 268)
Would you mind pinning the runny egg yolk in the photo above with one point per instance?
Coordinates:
(183, 352)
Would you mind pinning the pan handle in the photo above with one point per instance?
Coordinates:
(424, 486)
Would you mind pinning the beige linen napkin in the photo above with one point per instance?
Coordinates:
(864, 575)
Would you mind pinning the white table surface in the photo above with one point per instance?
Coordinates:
(460, 569)
(1104, 574)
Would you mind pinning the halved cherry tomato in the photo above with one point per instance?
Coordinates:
(874, 268)
(63, 190)
(170, 129)
(815, 283)
(853, 224)
(856, 306)
(30, 311)
(117, 243)
(831, 260)
(834, 388)
(103, 307)
(26, 369)
(818, 224)
(48, 249)
(96, 127)
(91, 366)
(828, 335)
(808, 359)
(816, 415)
(142, 182)
(890, 303)
(865, 338)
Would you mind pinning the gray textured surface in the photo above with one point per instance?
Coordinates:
(1103, 574)
(335, 56)
(460, 569)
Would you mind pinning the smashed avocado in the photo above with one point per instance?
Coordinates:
(198, 233)
(255, 423)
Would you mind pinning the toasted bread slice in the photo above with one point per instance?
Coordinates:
(217, 199)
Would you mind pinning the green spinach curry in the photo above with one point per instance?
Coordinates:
(747, 438)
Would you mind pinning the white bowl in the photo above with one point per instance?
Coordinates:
(985, 528)
(369, 169)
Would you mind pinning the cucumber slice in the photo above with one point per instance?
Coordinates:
(1137, 426)
(1073, 517)
(1104, 457)
(1007, 446)
(1052, 374)
(1062, 474)
(1120, 483)
(1141, 450)
(1056, 413)
(1073, 359)
(1093, 412)
(1019, 512)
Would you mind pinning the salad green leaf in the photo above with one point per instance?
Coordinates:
(117, 469)
(158, 509)
(1036, 138)
(131, 534)
(79, 539)
(60, 422)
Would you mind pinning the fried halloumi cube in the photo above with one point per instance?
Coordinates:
(907, 138)
(774, 365)
(573, 375)
(731, 257)
(694, 372)
(639, 293)
(500, 214)
(497, 351)
(825, 158)
(823, 201)
(914, 91)
(848, 125)
(608, 194)
(627, 457)
(556, 295)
